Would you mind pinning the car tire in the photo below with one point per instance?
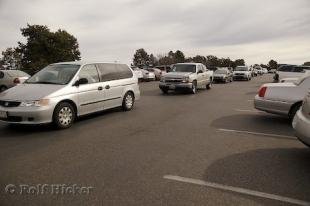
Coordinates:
(294, 110)
(64, 115)
(128, 101)
(165, 91)
(3, 88)
(209, 86)
(194, 87)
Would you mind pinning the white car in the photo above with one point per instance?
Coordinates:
(11, 78)
(148, 76)
(301, 122)
(282, 98)
(137, 72)
(158, 73)
(242, 72)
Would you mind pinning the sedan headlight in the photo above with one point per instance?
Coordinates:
(37, 103)
(185, 79)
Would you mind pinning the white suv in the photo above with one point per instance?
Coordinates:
(242, 72)
(186, 76)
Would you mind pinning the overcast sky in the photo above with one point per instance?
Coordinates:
(109, 30)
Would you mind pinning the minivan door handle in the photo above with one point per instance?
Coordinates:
(100, 88)
(107, 87)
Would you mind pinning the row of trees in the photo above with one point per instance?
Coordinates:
(142, 58)
(42, 47)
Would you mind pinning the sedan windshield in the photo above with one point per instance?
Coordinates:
(54, 74)
(184, 68)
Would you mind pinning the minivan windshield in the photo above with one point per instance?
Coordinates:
(54, 74)
(184, 68)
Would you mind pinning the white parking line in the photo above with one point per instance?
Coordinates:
(259, 133)
(237, 190)
(249, 110)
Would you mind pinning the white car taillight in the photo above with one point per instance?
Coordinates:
(262, 92)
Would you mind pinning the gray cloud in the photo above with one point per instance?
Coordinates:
(256, 30)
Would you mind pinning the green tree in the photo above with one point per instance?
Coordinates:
(44, 47)
(179, 57)
(153, 61)
(307, 64)
(272, 64)
(239, 62)
(212, 61)
(141, 58)
(11, 58)
(199, 59)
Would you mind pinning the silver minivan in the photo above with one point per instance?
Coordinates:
(61, 92)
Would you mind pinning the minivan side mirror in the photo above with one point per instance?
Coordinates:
(80, 82)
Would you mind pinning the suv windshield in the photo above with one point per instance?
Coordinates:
(241, 69)
(220, 71)
(184, 68)
(54, 74)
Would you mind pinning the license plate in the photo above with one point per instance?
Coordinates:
(3, 114)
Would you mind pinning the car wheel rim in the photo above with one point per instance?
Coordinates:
(129, 101)
(65, 116)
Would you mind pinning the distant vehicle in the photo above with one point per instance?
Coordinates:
(242, 72)
(295, 79)
(288, 71)
(61, 92)
(272, 71)
(11, 78)
(164, 68)
(158, 73)
(265, 71)
(148, 76)
(301, 122)
(137, 71)
(282, 98)
(222, 74)
(259, 70)
(187, 76)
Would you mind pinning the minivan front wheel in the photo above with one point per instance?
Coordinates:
(128, 101)
(64, 115)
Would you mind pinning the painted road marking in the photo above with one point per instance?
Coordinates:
(249, 110)
(259, 133)
(237, 190)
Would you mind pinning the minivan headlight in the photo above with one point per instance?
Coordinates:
(37, 103)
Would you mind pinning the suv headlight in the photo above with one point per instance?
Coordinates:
(185, 79)
(37, 103)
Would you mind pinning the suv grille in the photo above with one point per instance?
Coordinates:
(174, 80)
(9, 103)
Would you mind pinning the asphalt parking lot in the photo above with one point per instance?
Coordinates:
(211, 148)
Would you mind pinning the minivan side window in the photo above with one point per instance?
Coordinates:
(90, 73)
(109, 72)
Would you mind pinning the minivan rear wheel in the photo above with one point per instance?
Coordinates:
(64, 115)
(128, 101)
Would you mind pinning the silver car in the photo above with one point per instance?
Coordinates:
(282, 98)
(301, 122)
(62, 92)
(11, 78)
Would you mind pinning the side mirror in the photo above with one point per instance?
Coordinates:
(200, 72)
(80, 82)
